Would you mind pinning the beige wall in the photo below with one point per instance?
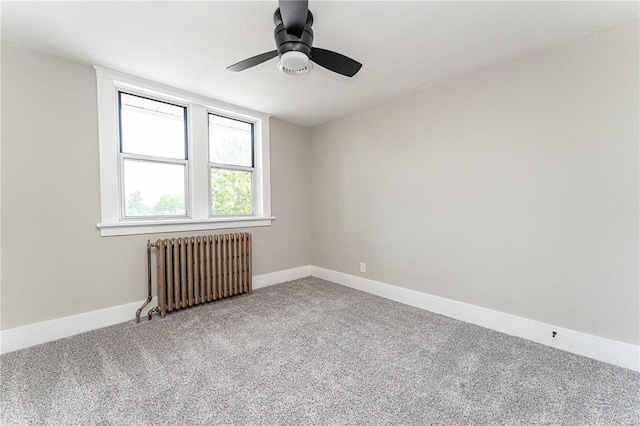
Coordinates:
(513, 188)
(54, 262)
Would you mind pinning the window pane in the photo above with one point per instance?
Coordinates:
(230, 192)
(152, 128)
(230, 141)
(154, 189)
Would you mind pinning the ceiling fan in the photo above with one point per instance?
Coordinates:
(294, 41)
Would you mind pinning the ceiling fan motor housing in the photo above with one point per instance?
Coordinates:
(286, 42)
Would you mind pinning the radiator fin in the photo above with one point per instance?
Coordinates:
(196, 270)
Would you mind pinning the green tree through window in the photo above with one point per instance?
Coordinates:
(167, 205)
(230, 192)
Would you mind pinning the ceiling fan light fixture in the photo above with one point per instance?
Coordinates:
(295, 63)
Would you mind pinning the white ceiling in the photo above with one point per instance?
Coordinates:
(403, 45)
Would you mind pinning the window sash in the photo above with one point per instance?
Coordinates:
(253, 140)
(157, 160)
(158, 99)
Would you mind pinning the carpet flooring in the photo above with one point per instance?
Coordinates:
(309, 352)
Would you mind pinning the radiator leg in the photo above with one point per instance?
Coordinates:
(139, 311)
(151, 311)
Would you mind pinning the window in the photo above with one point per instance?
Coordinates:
(174, 161)
(230, 166)
(153, 152)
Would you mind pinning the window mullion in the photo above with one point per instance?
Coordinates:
(199, 155)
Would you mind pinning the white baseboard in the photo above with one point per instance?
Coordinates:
(47, 331)
(272, 278)
(610, 351)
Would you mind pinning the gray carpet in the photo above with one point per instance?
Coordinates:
(309, 352)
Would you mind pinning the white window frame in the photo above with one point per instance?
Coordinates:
(198, 195)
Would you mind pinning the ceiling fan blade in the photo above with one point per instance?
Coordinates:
(294, 15)
(335, 62)
(252, 62)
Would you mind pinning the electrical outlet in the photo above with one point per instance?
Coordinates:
(363, 267)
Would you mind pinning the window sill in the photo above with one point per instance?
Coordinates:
(161, 225)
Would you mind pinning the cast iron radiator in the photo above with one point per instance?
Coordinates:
(197, 270)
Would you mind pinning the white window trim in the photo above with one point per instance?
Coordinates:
(108, 82)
